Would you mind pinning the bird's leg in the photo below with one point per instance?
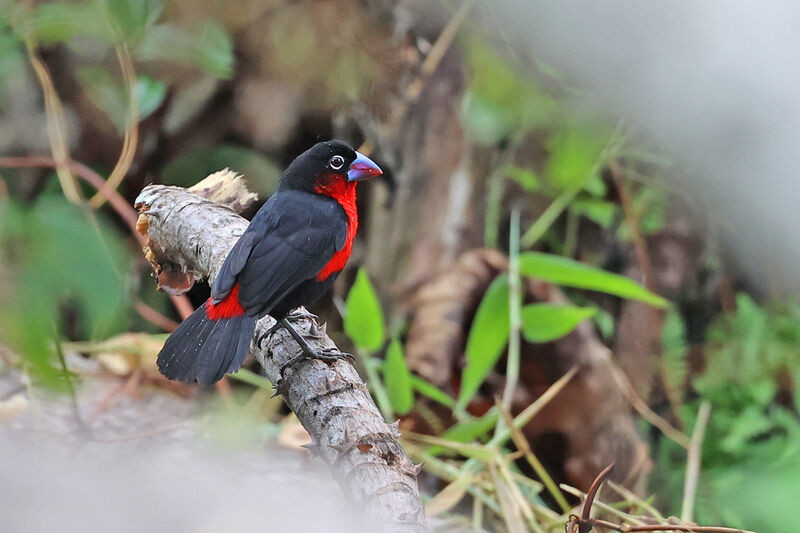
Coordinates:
(296, 316)
(328, 355)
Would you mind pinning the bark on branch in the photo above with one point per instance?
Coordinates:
(188, 237)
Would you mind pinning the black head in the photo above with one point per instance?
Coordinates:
(327, 161)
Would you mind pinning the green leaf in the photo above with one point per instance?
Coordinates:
(525, 177)
(397, 379)
(674, 363)
(467, 430)
(132, 19)
(499, 99)
(546, 322)
(112, 98)
(363, 322)
(488, 337)
(149, 94)
(575, 150)
(64, 259)
(605, 323)
(601, 212)
(596, 186)
(207, 47)
(571, 273)
(55, 22)
(263, 175)
(432, 391)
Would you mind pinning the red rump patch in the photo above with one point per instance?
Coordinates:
(229, 307)
(344, 193)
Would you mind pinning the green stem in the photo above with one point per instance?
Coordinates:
(549, 216)
(555, 209)
(376, 384)
(571, 237)
(514, 312)
(496, 187)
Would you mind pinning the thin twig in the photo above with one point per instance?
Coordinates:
(593, 489)
(56, 124)
(632, 219)
(603, 506)
(154, 317)
(522, 445)
(585, 523)
(131, 136)
(693, 457)
(632, 497)
(625, 528)
(643, 409)
(438, 50)
(514, 312)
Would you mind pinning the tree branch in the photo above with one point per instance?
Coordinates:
(189, 235)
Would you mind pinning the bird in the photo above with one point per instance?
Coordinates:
(291, 253)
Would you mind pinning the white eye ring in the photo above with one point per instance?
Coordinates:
(336, 162)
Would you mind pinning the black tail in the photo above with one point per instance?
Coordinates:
(205, 350)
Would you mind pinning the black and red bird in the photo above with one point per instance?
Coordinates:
(290, 255)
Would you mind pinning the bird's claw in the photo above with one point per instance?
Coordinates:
(297, 316)
(329, 355)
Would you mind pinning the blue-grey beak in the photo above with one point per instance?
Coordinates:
(362, 168)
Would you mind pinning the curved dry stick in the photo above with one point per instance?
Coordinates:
(187, 232)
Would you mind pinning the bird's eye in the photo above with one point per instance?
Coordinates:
(336, 162)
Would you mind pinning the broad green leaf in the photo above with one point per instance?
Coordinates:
(149, 94)
(263, 175)
(363, 322)
(601, 212)
(63, 259)
(596, 186)
(131, 19)
(432, 391)
(467, 430)
(499, 99)
(56, 22)
(397, 379)
(525, 177)
(571, 273)
(488, 337)
(206, 46)
(546, 322)
(574, 154)
(112, 98)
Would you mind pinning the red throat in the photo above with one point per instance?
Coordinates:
(344, 192)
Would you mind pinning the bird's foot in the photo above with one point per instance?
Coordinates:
(297, 316)
(329, 355)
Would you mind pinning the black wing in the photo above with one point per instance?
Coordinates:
(233, 265)
(294, 235)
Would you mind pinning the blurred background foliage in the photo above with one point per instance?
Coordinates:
(517, 233)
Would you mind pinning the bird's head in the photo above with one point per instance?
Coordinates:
(326, 165)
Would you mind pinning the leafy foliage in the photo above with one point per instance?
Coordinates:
(363, 322)
(60, 258)
(569, 273)
(398, 379)
(545, 322)
(113, 98)
(263, 175)
(750, 352)
(487, 338)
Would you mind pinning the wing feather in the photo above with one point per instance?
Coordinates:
(294, 236)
